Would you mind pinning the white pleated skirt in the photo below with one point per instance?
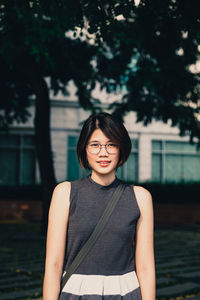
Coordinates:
(97, 287)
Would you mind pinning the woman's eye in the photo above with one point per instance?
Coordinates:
(112, 145)
(94, 145)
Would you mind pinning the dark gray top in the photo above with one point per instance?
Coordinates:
(113, 252)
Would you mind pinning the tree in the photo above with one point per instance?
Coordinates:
(146, 48)
(33, 47)
(150, 49)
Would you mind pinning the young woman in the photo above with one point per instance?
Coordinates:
(110, 271)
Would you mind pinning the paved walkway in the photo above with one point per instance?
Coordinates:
(22, 255)
(177, 254)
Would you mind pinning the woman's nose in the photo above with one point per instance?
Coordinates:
(103, 150)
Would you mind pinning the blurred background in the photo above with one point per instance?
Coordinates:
(63, 60)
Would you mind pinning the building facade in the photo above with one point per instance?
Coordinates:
(158, 153)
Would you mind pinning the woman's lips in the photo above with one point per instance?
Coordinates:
(103, 163)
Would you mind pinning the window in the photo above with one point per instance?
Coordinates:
(129, 171)
(17, 159)
(74, 170)
(175, 161)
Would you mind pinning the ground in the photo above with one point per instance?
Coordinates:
(23, 251)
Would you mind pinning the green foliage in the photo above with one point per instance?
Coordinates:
(33, 44)
(163, 38)
(148, 49)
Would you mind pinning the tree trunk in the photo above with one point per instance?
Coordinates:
(43, 146)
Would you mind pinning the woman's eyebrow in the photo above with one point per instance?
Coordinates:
(98, 141)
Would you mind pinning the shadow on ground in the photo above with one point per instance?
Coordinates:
(23, 255)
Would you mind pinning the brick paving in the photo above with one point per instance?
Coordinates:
(178, 263)
(23, 251)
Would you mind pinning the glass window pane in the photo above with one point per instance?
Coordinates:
(176, 146)
(156, 167)
(28, 140)
(189, 147)
(72, 166)
(182, 168)
(28, 167)
(129, 171)
(119, 173)
(180, 146)
(174, 168)
(9, 166)
(178, 167)
(156, 145)
(72, 141)
(9, 140)
(132, 167)
(191, 165)
(134, 144)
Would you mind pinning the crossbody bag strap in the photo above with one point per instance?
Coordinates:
(95, 234)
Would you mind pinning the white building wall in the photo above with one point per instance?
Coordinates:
(66, 118)
(59, 147)
(144, 145)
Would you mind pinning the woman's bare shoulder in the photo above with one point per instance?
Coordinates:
(63, 186)
(143, 196)
(61, 194)
(141, 191)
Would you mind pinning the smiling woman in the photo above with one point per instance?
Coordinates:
(109, 270)
(102, 156)
(104, 127)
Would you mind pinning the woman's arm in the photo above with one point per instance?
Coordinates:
(144, 252)
(56, 240)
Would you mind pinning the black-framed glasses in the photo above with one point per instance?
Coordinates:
(95, 148)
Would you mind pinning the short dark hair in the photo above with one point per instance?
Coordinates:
(112, 127)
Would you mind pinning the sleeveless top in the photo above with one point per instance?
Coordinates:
(108, 270)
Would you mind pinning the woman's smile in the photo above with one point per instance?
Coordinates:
(104, 163)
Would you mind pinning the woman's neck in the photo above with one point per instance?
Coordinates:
(103, 179)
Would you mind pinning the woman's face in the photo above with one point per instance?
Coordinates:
(102, 163)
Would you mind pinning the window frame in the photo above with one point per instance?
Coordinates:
(20, 148)
(124, 170)
(73, 148)
(164, 152)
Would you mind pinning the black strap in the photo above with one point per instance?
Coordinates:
(95, 234)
